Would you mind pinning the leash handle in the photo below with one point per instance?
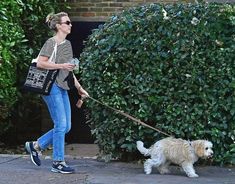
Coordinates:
(130, 117)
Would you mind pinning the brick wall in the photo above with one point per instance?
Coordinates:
(100, 10)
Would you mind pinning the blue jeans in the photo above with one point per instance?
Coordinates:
(59, 107)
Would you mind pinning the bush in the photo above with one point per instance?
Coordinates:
(11, 37)
(172, 66)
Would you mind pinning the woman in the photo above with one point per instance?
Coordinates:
(58, 100)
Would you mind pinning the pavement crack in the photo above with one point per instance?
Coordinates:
(10, 160)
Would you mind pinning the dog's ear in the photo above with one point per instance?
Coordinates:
(199, 148)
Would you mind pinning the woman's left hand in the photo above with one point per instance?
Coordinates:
(83, 93)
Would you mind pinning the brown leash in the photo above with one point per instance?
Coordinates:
(130, 117)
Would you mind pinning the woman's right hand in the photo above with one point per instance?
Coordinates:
(67, 66)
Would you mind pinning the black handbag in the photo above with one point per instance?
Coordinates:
(40, 80)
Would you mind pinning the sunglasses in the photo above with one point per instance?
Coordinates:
(67, 22)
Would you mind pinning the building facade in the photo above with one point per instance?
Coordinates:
(100, 10)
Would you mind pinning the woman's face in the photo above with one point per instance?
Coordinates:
(65, 25)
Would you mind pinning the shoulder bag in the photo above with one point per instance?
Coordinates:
(40, 80)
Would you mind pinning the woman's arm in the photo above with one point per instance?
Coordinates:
(81, 91)
(43, 63)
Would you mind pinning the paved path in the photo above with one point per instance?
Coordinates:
(18, 169)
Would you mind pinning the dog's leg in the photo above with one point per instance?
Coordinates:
(163, 169)
(189, 170)
(149, 163)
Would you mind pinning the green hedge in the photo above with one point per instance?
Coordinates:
(172, 66)
(10, 38)
(23, 31)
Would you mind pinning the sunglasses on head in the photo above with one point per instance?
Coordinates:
(67, 22)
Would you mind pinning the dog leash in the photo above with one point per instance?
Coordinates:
(130, 117)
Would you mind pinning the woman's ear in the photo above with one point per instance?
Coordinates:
(57, 26)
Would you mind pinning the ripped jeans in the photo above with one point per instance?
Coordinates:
(59, 107)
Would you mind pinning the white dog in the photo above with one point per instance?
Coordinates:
(178, 151)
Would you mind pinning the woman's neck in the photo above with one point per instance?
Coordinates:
(59, 37)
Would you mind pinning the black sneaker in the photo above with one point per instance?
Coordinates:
(61, 167)
(33, 153)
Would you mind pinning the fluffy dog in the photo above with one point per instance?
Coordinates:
(178, 151)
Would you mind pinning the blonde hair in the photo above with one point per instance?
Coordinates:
(53, 19)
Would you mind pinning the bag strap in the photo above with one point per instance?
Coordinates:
(51, 57)
(53, 53)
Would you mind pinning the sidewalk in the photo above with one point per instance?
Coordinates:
(18, 169)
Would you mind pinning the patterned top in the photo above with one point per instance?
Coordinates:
(64, 54)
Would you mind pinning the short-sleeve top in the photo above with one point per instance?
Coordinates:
(64, 54)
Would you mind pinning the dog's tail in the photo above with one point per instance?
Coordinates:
(142, 149)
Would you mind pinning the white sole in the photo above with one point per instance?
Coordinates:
(59, 171)
(27, 147)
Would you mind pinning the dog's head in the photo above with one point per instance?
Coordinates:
(203, 148)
